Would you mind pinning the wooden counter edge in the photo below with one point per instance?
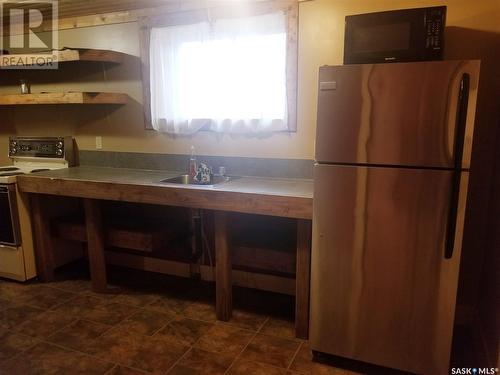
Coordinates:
(252, 203)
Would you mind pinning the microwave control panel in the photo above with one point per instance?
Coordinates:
(434, 24)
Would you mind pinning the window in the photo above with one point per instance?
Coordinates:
(226, 75)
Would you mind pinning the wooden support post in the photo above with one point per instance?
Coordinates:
(223, 281)
(43, 240)
(303, 279)
(95, 244)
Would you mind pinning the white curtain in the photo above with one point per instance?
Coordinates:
(228, 75)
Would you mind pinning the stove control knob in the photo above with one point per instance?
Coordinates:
(13, 144)
(59, 144)
(59, 152)
(13, 151)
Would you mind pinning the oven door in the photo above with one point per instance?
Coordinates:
(9, 220)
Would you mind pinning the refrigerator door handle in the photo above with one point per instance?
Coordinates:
(461, 119)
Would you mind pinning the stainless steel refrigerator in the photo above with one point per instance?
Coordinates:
(393, 151)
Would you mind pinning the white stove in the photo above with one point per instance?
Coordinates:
(36, 154)
(28, 155)
(8, 173)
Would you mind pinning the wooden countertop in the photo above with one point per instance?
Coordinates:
(256, 195)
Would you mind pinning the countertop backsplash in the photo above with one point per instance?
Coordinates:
(237, 166)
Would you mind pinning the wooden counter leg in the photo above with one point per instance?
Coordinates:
(303, 279)
(95, 243)
(43, 240)
(223, 269)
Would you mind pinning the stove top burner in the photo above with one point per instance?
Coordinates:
(8, 169)
(7, 174)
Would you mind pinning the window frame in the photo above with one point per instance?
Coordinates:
(226, 10)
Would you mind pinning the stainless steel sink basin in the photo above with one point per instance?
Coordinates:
(184, 180)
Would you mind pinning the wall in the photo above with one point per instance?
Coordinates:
(489, 296)
(320, 42)
(122, 129)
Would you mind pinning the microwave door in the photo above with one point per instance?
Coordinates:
(395, 41)
(402, 114)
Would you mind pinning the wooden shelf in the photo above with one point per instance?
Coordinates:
(64, 98)
(65, 55)
(143, 237)
(90, 55)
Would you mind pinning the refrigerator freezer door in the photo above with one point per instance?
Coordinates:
(381, 289)
(393, 114)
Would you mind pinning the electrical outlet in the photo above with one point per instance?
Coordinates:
(98, 143)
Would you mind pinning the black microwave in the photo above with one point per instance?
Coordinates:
(395, 36)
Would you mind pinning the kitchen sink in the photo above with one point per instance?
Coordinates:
(184, 180)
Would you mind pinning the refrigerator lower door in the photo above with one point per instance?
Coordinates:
(381, 289)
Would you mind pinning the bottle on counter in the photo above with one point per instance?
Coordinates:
(192, 168)
(25, 87)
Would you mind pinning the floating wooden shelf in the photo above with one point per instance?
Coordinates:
(63, 56)
(64, 98)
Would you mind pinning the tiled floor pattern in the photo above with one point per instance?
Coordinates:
(148, 323)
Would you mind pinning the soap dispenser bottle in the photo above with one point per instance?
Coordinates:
(192, 165)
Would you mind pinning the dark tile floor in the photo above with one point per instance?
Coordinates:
(151, 323)
(148, 323)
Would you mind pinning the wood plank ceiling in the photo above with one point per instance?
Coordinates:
(78, 8)
(81, 13)
(75, 8)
